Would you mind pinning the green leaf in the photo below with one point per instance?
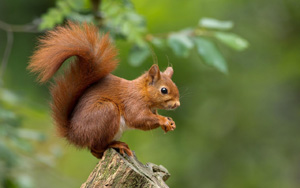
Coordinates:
(76, 5)
(215, 24)
(7, 154)
(232, 40)
(158, 42)
(135, 18)
(21, 144)
(138, 54)
(57, 14)
(87, 4)
(9, 97)
(24, 180)
(180, 44)
(51, 18)
(63, 6)
(80, 17)
(30, 134)
(4, 114)
(210, 53)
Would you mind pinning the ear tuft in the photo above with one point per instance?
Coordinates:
(169, 72)
(154, 73)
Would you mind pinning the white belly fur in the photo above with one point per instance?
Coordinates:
(123, 127)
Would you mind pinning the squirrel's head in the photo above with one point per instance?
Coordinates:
(161, 90)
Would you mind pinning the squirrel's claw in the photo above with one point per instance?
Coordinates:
(122, 147)
(169, 125)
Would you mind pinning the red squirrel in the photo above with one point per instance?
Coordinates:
(91, 107)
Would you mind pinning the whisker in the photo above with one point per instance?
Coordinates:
(169, 64)
(154, 56)
(184, 93)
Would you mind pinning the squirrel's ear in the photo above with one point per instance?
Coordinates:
(154, 73)
(169, 72)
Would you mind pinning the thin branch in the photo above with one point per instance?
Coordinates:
(9, 43)
(96, 7)
(29, 28)
(195, 32)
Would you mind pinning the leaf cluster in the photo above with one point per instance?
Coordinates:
(120, 18)
(17, 144)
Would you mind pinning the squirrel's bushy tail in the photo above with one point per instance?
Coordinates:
(95, 58)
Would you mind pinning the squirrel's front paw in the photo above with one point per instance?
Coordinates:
(169, 125)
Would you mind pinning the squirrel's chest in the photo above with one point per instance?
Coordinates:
(123, 127)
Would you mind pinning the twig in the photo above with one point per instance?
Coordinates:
(30, 28)
(9, 43)
(96, 6)
(195, 32)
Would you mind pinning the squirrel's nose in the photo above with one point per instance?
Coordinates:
(176, 104)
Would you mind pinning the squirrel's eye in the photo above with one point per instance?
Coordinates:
(164, 90)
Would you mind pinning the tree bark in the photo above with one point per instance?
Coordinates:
(115, 170)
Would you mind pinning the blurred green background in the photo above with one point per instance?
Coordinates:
(235, 130)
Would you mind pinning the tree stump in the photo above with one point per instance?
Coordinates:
(115, 170)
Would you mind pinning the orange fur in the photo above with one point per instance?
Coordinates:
(90, 105)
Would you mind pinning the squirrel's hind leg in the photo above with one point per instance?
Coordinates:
(121, 146)
(95, 126)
